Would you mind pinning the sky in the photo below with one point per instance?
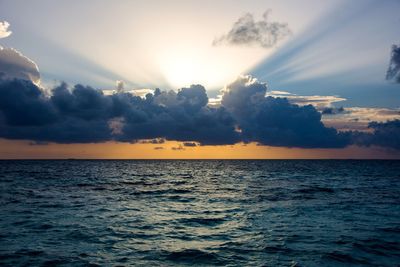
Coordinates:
(209, 79)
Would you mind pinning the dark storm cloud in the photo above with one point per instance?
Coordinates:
(182, 116)
(85, 115)
(82, 102)
(393, 72)
(247, 31)
(385, 134)
(23, 104)
(275, 121)
(26, 113)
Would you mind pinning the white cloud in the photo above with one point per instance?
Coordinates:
(318, 101)
(142, 92)
(4, 32)
(120, 86)
(13, 64)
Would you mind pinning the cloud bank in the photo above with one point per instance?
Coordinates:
(4, 32)
(247, 31)
(82, 114)
(393, 72)
(385, 134)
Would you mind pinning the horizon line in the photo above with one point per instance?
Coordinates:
(192, 159)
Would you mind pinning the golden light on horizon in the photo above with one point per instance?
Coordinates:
(11, 149)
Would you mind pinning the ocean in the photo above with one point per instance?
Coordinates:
(199, 213)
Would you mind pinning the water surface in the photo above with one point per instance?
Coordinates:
(185, 213)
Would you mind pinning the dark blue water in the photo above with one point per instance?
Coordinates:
(184, 213)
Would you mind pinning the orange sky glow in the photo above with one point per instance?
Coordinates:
(112, 150)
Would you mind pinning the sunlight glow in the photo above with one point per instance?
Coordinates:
(148, 45)
(188, 67)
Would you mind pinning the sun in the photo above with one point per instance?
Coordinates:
(183, 68)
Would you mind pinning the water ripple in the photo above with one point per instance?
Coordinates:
(209, 213)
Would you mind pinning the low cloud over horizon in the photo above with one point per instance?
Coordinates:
(85, 115)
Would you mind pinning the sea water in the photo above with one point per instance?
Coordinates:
(199, 213)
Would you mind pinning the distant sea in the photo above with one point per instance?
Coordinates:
(199, 213)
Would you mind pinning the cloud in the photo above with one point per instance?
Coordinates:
(182, 116)
(247, 31)
(82, 114)
(15, 65)
(393, 72)
(276, 121)
(120, 86)
(189, 144)
(332, 110)
(180, 147)
(321, 103)
(153, 141)
(358, 118)
(4, 32)
(23, 104)
(385, 134)
(318, 101)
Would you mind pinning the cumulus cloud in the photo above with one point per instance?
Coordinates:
(385, 134)
(120, 86)
(82, 114)
(4, 32)
(66, 117)
(275, 121)
(247, 31)
(181, 116)
(15, 65)
(23, 104)
(393, 72)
